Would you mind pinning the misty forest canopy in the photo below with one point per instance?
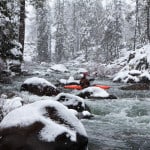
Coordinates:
(62, 30)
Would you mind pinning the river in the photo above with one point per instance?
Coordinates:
(121, 124)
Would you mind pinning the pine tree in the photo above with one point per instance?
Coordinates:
(148, 19)
(112, 40)
(43, 29)
(10, 49)
(61, 31)
(22, 24)
(7, 32)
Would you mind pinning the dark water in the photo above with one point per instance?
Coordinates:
(121, 124)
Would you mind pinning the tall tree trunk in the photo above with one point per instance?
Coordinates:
(74, 30)
(60, 31)
(136, 24)
(148, 19)
(22, 24)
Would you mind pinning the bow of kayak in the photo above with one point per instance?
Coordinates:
(105, 87)
(78, 87)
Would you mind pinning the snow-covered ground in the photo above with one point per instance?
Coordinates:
(59, 67)
(136, 67)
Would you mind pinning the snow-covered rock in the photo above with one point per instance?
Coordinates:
(145, 77)
(74, 103)
(63, 81)
(11, 104)
(126, 77)
(60, 68)
(39, 86)
(120, 76)
(71, 101)
(82, 70)
(95, 92)
(42, 125)
(70, 80)
(137, 67)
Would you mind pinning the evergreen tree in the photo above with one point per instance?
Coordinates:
(9, 46)
(22, 24)
(148, 19)
(7, 30)
(61, 32)
(112, 40)
(43, 29)
(42, 32)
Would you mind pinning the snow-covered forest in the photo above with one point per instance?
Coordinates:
(47, 46)
(98, 30)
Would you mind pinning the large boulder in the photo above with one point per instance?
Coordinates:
(133, 76)
(11, 104)
(43, 125)
(76, 103)
(70, 81)
(39, 86)
(95, 93)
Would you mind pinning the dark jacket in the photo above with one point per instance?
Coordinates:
(84, 82)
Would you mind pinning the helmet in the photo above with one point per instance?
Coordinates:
(85, 74)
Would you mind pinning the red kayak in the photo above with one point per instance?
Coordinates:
(78, 87)
(105, 87)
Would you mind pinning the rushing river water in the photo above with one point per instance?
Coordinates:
(121, 124)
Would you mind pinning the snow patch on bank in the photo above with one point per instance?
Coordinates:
(37, 81)
(137, 66)
(59, 67)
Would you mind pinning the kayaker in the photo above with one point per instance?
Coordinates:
(84, 82)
